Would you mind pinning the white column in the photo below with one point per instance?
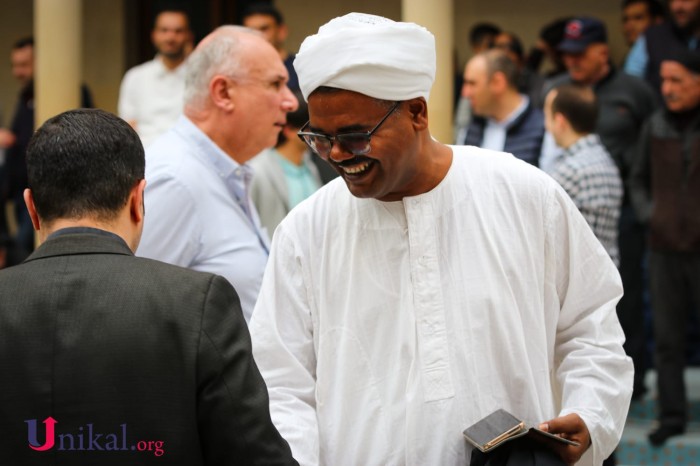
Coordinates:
(438, 17)
(57, 57)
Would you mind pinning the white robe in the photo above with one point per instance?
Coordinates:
(383, 330)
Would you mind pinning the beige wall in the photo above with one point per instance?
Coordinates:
(103, 50)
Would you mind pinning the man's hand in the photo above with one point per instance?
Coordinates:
(7, 138)
(570, 427)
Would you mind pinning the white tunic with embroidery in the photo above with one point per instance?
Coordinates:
(383, 330)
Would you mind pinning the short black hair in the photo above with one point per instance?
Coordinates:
(23, 42)
(300, 116)
(82, 163)
(579, 106)
(654, 7)
(263, 8)
(296, 119)
(553, 33)
(515, 45)
(481, 31)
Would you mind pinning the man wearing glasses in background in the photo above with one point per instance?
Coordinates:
(433, 284)
(236, 103)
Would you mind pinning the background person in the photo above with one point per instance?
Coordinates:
(286, 174)
(585, 169)
(665, 188)
(267, 19)
(504, 119)
(151, 94)
(17, 138)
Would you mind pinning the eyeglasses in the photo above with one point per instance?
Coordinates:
(355, 143)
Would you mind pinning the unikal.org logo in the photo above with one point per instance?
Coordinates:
(86, 439)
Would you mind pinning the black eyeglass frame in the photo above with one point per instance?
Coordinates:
(365, 136)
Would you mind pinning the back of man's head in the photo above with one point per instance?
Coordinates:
(83, 163)
(578, 104)
(498, 61)
(482, 35)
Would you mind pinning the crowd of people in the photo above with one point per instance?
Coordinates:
(594, 137)
(358, 292)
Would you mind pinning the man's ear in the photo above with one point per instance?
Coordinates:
(418, 109)
(221, 94)
(137, 209)
(560, 121)
(29, 201)
(498, 82)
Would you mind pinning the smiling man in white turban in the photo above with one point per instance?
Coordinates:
(432, 284)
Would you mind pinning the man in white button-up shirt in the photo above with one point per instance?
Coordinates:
(432, 284)
(198, 191)
(151, 94)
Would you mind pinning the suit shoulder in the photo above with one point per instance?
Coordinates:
(174, 274)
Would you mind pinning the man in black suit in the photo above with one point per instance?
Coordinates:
(111, 359)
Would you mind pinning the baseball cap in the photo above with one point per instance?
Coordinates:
(582, 32)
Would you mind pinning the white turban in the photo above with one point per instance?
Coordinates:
(368, 54)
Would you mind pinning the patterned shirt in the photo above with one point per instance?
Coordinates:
(589, 175)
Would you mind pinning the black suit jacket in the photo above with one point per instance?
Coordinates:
(124, 352)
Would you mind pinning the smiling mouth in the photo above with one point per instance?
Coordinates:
(356, 169)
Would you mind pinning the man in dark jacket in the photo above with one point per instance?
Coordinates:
(504, 119)
(16, 139)
(124, 360)
(665, 189)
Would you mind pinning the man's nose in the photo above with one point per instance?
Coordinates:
(289, 101)
(339, 154)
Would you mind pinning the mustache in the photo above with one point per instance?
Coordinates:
(358, 159)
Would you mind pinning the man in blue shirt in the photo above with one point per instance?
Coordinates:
(236, 103)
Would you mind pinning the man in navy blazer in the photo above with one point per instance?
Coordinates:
(110, 359)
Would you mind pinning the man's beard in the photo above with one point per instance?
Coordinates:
(175, 55)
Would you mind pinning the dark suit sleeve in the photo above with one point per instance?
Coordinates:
(233, 405)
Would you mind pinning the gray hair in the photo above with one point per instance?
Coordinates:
(217, 54)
